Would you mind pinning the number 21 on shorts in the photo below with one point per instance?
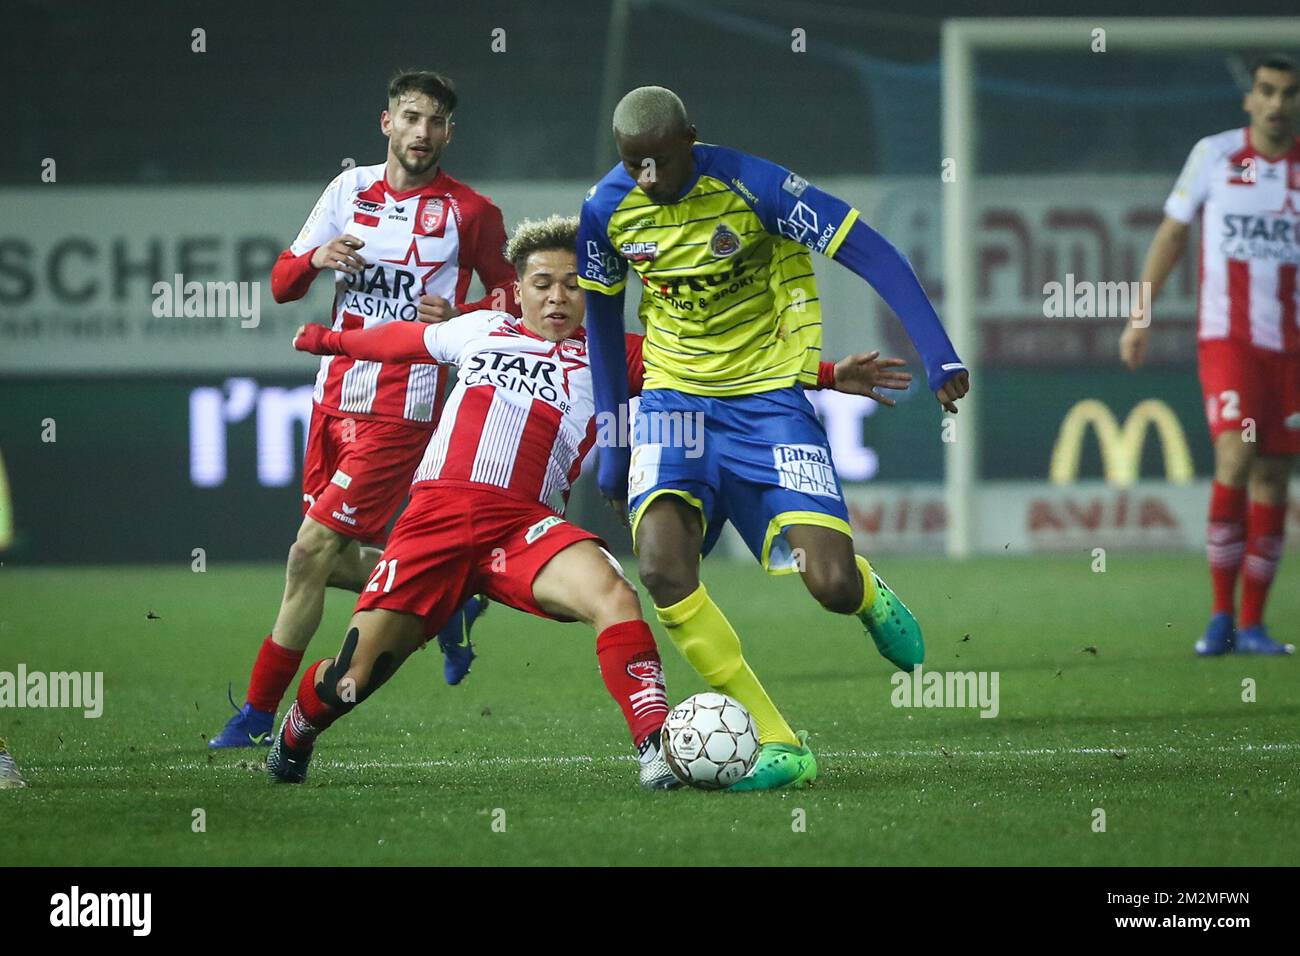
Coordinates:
(391, 567)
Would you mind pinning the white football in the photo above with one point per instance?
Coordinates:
(710, 741)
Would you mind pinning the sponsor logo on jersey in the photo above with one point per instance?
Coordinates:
(367, 206)
(345, 514)
(807, 469)
(341, 478)
(600, 267)
(639, 251)
(801, 225)
(795, 185)
(744, 191)
(539, 529)
(725, 242)
(431, 219)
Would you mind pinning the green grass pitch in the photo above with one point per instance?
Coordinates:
(1186, 771)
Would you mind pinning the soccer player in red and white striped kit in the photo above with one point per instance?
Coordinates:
(487, 506)
(403, 240)
(1245, 183)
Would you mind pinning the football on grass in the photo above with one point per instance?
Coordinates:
(710, 741)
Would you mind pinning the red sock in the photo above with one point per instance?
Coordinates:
(1265, 528)
(1225, 542)
(308, 715)
(272, 673)
(634, 676)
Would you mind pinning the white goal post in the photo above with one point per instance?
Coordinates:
(962, 39)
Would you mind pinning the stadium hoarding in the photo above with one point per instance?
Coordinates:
(215, 462)
(92, 278)
(1024, 517)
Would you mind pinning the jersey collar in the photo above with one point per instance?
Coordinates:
(436, 185)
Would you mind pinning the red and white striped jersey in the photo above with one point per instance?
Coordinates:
(427, 241)
(1250, 239)
(522, 415)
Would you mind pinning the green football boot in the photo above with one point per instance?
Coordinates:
(780, 765)
(893, 628)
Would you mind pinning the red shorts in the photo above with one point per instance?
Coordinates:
(1241, 383)
(357, 473)
(456, 540)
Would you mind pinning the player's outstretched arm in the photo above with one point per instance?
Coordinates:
(1166, 249)
(871, 256)
(863, 374)
(390, 342)
(607, 349)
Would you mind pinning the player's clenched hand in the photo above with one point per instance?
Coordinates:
(862, 374)
(340, 254)
(955, 388)
(434, 308)
(311, 338)
(1133, 345)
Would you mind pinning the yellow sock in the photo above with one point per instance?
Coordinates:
(868, 584)
(709, 643)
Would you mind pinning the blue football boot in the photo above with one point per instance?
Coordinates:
(453, 639)
(1255, 640)
(1218, 636)
(247, 727)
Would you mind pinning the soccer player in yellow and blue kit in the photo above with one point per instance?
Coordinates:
(721, 242)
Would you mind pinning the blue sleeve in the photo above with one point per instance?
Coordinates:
(870, 255)
(607, 351)
(787, 204)
(600, 268)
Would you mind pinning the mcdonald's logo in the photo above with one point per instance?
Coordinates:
(6, 510)
(1121, 445)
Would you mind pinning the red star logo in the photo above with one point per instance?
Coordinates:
(567, 364)
(413, 253)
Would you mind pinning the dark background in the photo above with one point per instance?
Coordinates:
(114, 91)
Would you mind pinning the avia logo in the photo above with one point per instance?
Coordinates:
(1119, 513)
(1121, 445)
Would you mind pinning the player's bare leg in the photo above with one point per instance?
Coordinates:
(843, 582)
(313, 557)
(378, 642)
(669, 538)
(318, 557)
(1269, 478)
(353, 567)
(585, 582)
